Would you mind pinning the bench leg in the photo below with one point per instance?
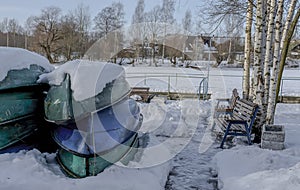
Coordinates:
(248, 135)
(225, 135)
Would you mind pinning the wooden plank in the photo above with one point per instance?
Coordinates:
(289, 99)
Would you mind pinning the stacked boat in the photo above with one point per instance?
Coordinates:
(21, 97)
(96, 123)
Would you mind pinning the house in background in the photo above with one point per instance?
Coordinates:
(200, 48)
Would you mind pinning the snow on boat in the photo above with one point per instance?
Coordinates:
(93, 129)
(21, 97)
(80, 87)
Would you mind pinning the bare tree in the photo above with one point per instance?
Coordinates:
(214, 12)
(70, 36)
(13, 28)
(167, 11)
(167, 17)
(138, 16)
(137, 29)
(109, 19)
(83, 22)
(28, 30)
(187, 21)
(5, 29)
(47, 31)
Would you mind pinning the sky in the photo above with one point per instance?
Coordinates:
(21, 10)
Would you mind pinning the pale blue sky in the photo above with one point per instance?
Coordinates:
(21, 10)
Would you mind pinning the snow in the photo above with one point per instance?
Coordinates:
(244, 167)
(180, 148)
(88, 78)
(17, 59)
(35, 170)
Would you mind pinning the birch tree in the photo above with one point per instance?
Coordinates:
(257, 80)
(248, 47)
(276, 59)
(269, 52)
(285, 42)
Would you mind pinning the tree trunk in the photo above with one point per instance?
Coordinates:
(257, 91)
(246, 74)
(274, 78)
(229, 51)
(257, 85)
(269, 53)
(287, 34)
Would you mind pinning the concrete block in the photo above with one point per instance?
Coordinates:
(274, 133)
(272, 145)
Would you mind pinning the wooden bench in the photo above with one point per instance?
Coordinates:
(240, 122)
(226, 109)
(143, 92)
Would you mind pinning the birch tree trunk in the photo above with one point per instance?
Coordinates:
(246, 74)
(269, 53)
(272, 92)
(284, 40)
(257, 84)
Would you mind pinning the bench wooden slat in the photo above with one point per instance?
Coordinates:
(231, 104)
(241, 121)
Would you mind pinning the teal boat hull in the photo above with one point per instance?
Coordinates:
(80, 166)
(61, 107)
(20, 113)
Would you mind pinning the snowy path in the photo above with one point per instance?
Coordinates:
(191, 169)
(185, 122)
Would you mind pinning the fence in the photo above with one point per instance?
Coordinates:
(171, 82)
(198, 83)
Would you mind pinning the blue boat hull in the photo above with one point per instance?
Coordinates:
(96, 142)
(101, 131)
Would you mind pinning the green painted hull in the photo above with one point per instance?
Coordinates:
(20, 112)
(19, 102)
(14, 131)
(78, 166)
(61, 107)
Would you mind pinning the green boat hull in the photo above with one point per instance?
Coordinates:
(14, 131)
(79, 166)
(20, 112)
(20, 102)
(61, 107)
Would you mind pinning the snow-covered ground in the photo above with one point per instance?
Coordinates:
(180, 143)
(250, 167)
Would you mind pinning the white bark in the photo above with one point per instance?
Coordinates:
(257, 85)
(287, 25)
(276, 59)
(269, 53)
(288, 21)
(246, 74)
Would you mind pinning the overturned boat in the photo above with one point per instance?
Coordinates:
(21, 97)
(93, 129)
